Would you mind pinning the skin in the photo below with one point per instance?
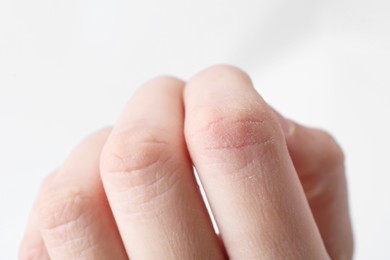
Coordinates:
(277, 189)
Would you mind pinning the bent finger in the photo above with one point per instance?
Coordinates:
(75, 218)
(32, 245)
(319, 162)
(149, 181)
(239, 151)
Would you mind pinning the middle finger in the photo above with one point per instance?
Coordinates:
(149, 181)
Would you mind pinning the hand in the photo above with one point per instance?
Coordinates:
(277, 189)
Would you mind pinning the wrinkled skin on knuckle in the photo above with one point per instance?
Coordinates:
(66, 216)
(139, 168)
(131, 151)
(58, 208)
(231, 129)
(147, 192)
(232, 135)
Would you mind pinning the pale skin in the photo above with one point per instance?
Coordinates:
(277, 189)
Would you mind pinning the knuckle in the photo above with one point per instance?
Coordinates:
(234, 135)
(104, 131)
(135, 150)
(162, 80)
(137, 166)
(333, 154)
(45, 184)
(67, 218)
(237, 129)
(61, 209)
(225, 72)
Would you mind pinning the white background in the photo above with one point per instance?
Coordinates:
(68, 67)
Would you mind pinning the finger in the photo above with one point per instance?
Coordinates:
(319, 162)
(149, 181)
(32, 245)
(239, 151)
(75, 218)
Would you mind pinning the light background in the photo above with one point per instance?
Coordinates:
(68, 67)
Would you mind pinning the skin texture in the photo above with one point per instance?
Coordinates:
(277, 189)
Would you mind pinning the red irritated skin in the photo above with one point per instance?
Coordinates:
(277, 189)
